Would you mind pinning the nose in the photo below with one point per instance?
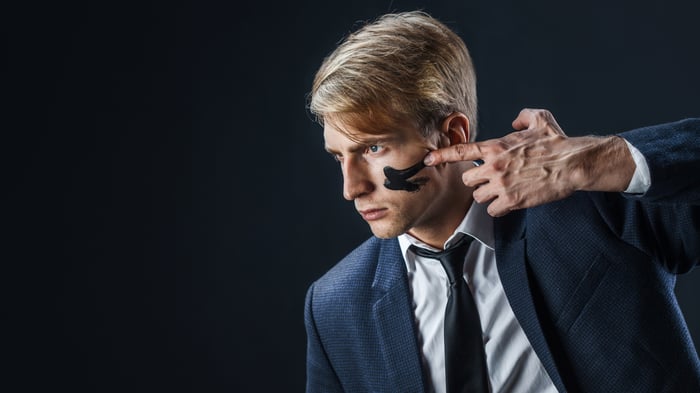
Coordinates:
(356, 179)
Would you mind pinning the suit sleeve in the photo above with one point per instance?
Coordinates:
(672, 152)
(664, 222)
(320, 376)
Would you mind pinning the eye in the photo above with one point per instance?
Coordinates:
(374, 148)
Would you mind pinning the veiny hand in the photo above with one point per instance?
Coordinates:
(538, 164)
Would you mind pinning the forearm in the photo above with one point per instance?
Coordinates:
(603, 164)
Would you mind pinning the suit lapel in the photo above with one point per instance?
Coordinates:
(395, 322)
(511, 261)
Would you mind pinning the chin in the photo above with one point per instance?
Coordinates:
(387, 231)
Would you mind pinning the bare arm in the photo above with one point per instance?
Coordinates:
(538, 164)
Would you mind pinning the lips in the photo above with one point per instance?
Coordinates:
(372, 214)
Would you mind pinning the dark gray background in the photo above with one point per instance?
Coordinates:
(167, 199)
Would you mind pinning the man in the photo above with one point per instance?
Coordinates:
(572, 244)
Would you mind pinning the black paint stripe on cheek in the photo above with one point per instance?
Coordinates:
(397, 179)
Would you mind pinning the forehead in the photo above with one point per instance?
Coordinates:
(340, 133)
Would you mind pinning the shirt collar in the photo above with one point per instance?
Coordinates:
(476, 223)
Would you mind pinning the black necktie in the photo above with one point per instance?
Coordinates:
(465, 360)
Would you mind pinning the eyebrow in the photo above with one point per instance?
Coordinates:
(330, 151)
(361, 144)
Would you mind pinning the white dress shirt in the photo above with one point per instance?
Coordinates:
(513, 365)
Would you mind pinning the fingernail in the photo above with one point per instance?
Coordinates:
(428, 159)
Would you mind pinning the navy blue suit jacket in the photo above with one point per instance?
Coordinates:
(590, 279)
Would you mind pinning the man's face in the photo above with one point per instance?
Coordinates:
(362, 159)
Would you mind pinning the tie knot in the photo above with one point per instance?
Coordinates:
(452, 259)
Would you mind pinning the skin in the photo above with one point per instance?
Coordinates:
(538, 164)
(430, 214)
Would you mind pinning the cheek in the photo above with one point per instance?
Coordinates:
(405, 179)
(402, 157)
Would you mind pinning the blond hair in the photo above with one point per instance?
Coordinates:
(404, 67)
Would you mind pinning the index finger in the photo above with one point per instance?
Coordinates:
(454, 153)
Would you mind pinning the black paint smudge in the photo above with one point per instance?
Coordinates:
(397, 179)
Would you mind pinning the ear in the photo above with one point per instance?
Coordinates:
(456, 128)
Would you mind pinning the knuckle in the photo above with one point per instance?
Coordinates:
(542, 113)
(460, 150)
(500, 146)
(548, 118)
(498, 165)
(480, 148)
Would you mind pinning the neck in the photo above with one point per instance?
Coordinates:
(437, 233)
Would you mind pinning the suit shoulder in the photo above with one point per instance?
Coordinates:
(344, 297)
(355, 271)
(349, 284)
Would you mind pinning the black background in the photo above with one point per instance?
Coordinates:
(166, 197)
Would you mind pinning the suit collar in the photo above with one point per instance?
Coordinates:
(476, 223)
(395, 323)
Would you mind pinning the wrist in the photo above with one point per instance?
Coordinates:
(607, 165)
